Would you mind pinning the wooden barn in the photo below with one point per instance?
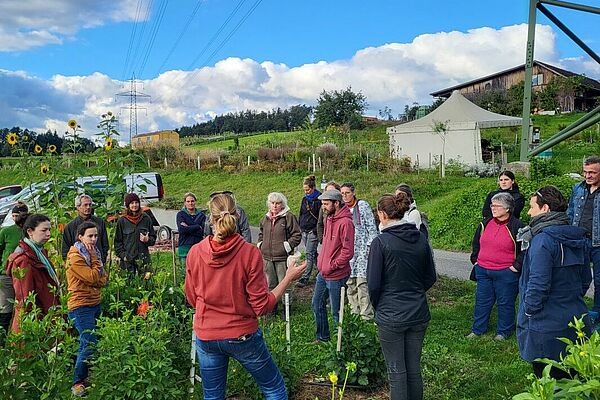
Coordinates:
(582, 100)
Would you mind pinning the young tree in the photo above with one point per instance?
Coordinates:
(339, 108)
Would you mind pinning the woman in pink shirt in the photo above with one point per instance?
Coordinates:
(497, 263)
(226, 285)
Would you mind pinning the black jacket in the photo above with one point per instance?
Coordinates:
(309, 214)
(70, 236)
(517, 196)
(399, 273)
(513, 226)
(127, 239)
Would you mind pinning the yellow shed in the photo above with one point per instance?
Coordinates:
(156, 139)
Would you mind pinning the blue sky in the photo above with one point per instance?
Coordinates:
(284, 53)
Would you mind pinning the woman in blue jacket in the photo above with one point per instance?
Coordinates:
(555, 277)
(190, 224)
(400, 270)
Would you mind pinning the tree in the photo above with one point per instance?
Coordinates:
(339, 108)
(442, 128)
(386, 113)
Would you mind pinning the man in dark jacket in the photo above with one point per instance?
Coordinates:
(584, 212)
(333, 261)
(85, 212)
(554, 280)
(308, 218)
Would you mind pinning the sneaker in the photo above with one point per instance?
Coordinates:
(78, 390)
(499, 337)
(472, 335)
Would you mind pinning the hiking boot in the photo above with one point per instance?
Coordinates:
(472, 335)
(499, 337)
(78, 390)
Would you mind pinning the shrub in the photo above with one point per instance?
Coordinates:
(360, 343)
(268, 153)
(543, 167)
(327, 150)
(583, 356)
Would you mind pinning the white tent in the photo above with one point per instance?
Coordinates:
(462, 119)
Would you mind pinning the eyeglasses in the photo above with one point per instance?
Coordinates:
(496, 206)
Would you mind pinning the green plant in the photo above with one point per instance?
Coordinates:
(543, 167)
(582, 356)
(359, 342)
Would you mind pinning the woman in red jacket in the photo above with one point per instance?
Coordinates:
(31, 270)
(226, 285)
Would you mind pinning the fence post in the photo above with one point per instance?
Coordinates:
(166, 164)
(367, 162)
(198, 160)
(339, 332)
(313, 162)
(148, 162)
(248, 160)
(287, 321)
(219, 161)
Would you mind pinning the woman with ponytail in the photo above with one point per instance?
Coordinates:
(400, 270)
(226, 284)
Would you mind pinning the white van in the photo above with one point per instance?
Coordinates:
(147, 185)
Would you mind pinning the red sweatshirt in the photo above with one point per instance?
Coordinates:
(226, 284)
(338, 246)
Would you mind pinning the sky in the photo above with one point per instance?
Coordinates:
(68, 59)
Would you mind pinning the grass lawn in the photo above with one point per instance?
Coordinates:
(453, 367)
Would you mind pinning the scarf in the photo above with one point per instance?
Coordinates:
(539, 222)
(313, 195)
(42, 257)
(133, 218)
(83, 251)
(355, 211)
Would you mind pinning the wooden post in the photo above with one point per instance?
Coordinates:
(339, 332)
(198, 162)
(287, 321)
(320, 164)
(248, 160)
(166, 164)
(174, 259)
(367, 162)
(313, 163)
(219, 161)
(148, 162)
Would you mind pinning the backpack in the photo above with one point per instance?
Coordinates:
(424, 228)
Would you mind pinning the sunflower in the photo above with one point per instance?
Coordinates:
(52, 148)
(44, 169)
(109, 144)
(38, 149)
(72, 124)
(25, 138)
(12, 139)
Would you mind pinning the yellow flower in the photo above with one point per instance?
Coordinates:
(38, 149)
(583, 353)
(72, 124)
(12, 139)
(25, 138)
(44, 169)
(52, 148)
(580, 334)
(109, 144)
(333, 378)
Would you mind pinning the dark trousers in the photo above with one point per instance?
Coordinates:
(538, 369)
(402, 351)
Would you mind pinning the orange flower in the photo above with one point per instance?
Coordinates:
(143, 308)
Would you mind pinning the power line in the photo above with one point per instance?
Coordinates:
(131, 66)
(132, 37)
(183, 31)
(214, 37)
(133, 94)
(153, 34)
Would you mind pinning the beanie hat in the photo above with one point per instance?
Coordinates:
(131, 197)
(20, 208)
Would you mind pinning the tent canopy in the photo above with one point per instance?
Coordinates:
(456, 110)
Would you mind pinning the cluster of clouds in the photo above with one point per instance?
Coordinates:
(393, 75)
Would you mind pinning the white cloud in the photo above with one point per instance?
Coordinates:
(391, 75)
(34, 23)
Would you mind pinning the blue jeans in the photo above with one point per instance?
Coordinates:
(251, 351)
(500, 287)
(310, 243)
(402, 352)
(324, 288)
(595, 259)
(84, 319)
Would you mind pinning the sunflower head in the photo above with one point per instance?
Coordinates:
(12, 139)
(44, 169)
(52, 148)
(72, 124)
(38, 149)
(109, 144)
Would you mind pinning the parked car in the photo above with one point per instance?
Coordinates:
(11, 190)
(148, 185)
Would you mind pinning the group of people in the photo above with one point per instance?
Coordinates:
(546, 263)
(27, 268)
(384, 261)
(387, 270)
